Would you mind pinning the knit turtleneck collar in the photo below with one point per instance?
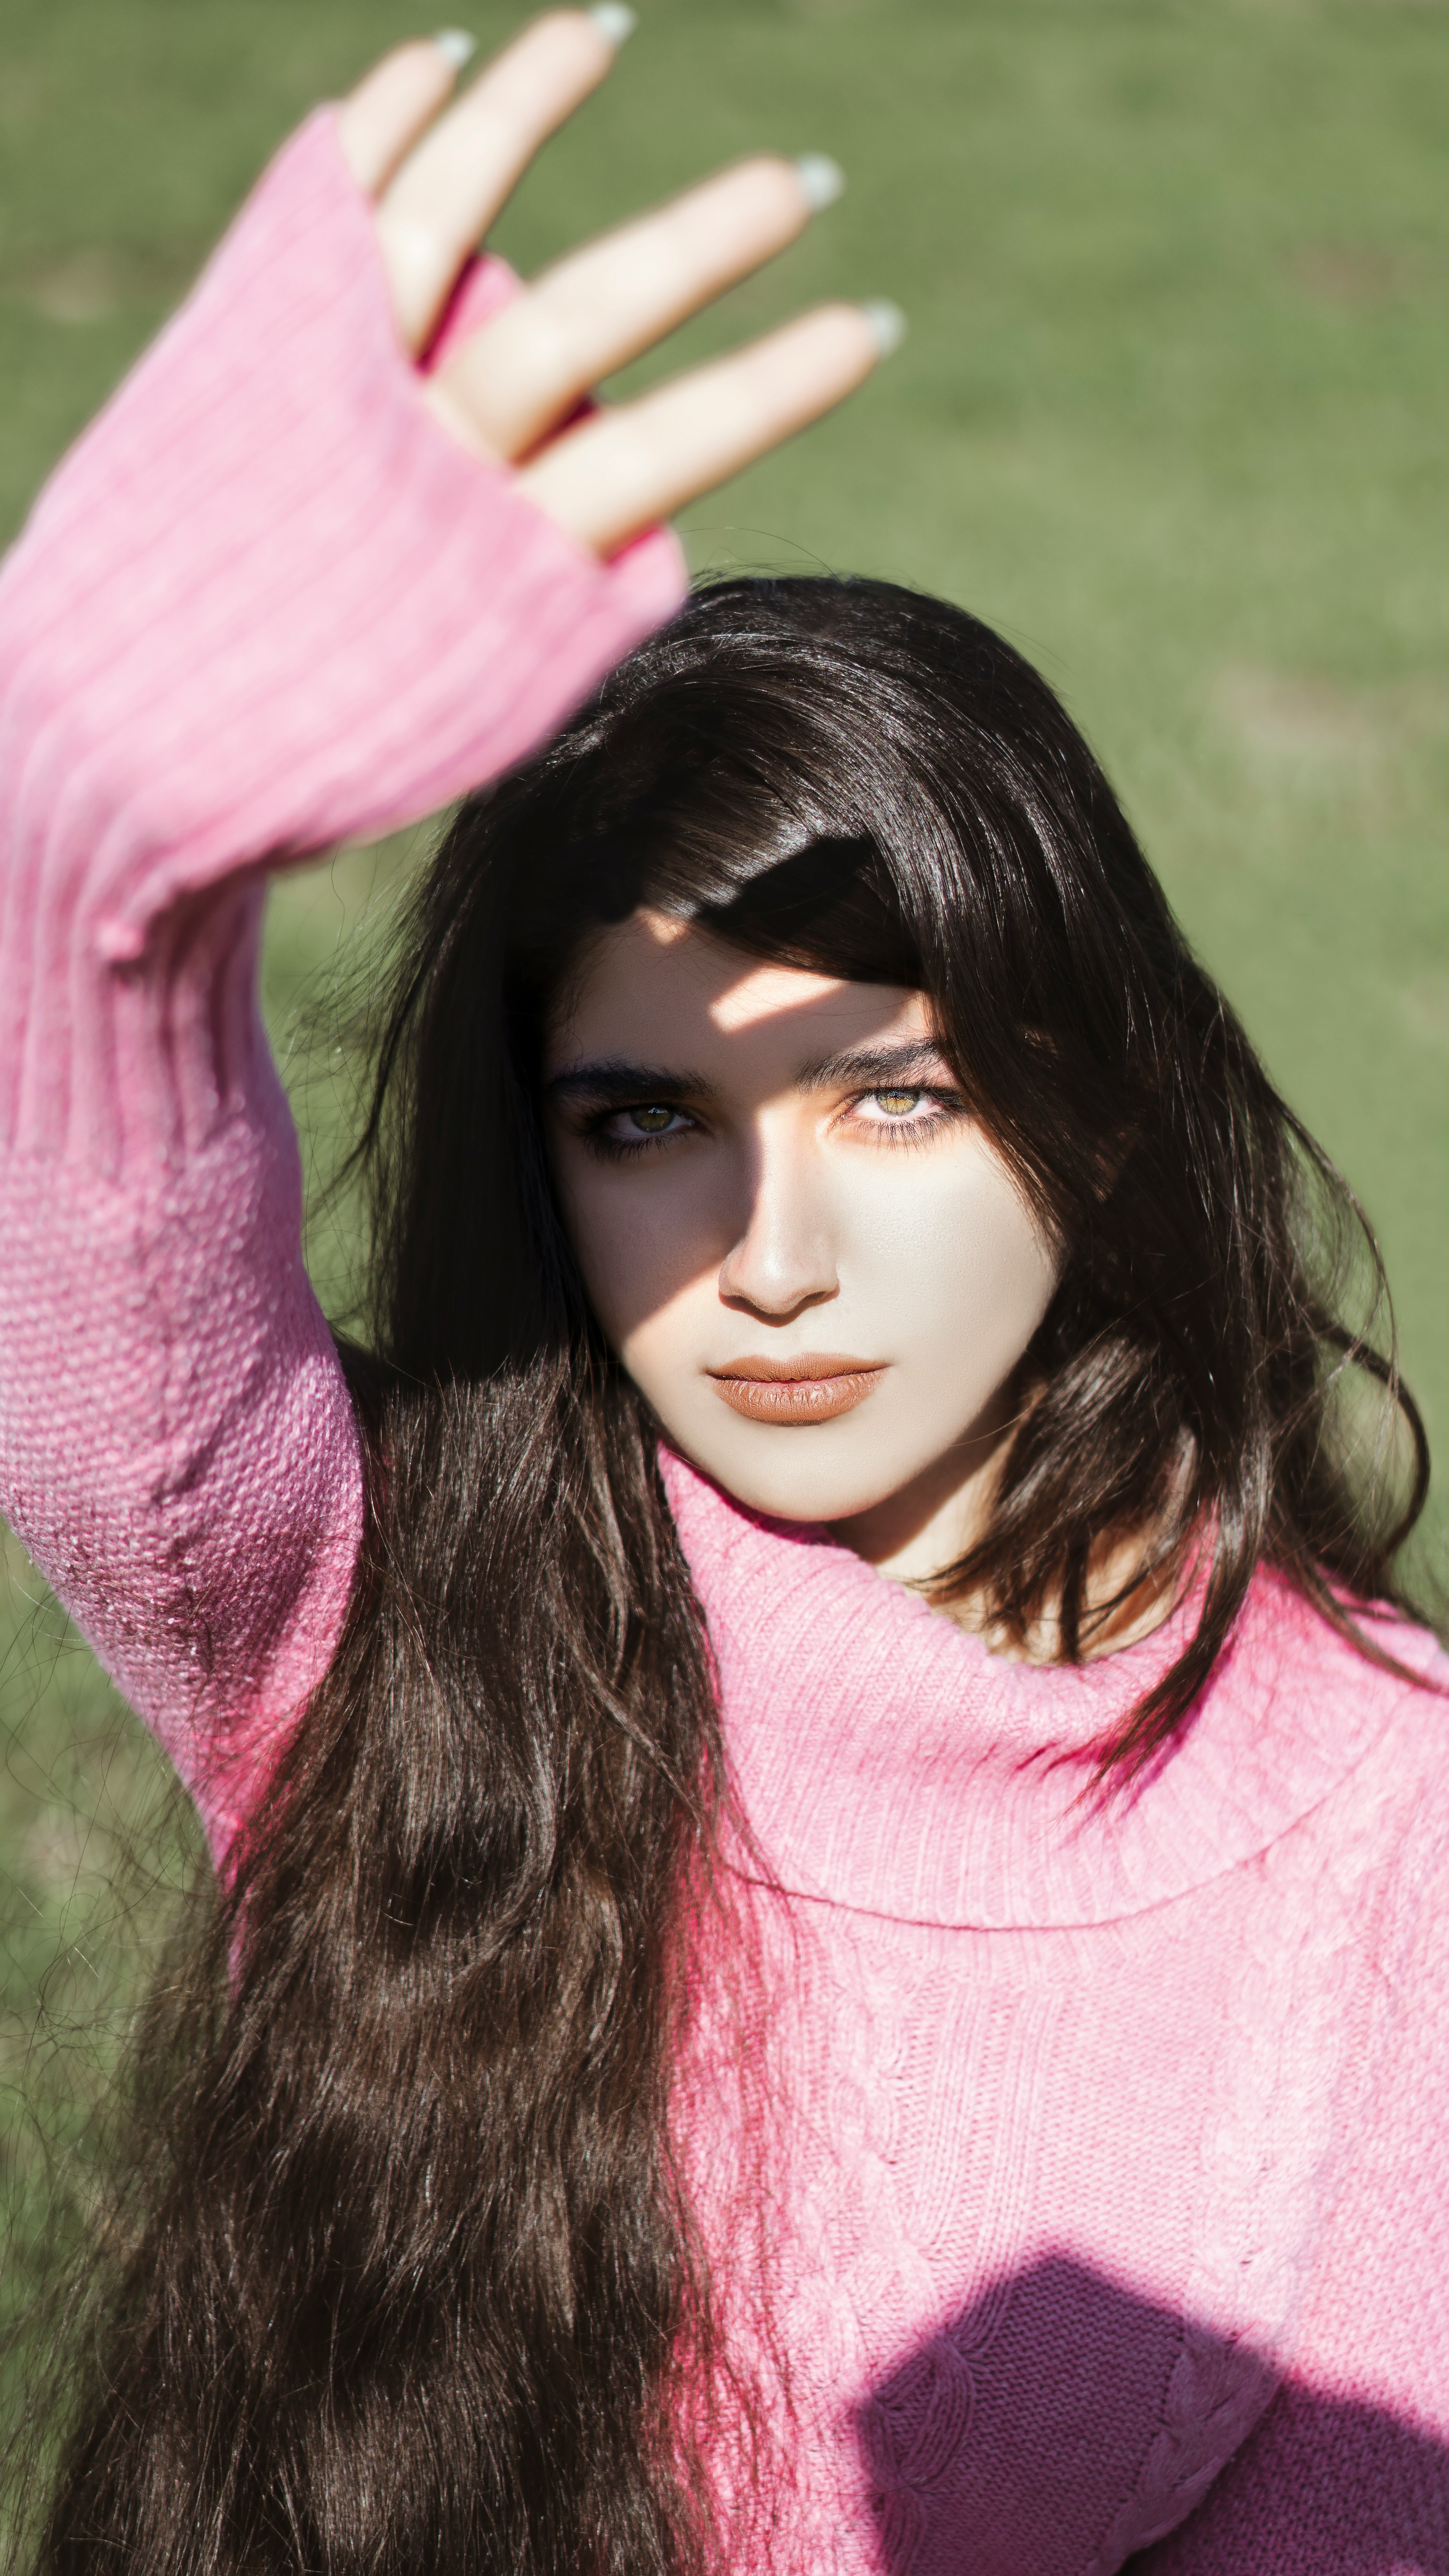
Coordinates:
(887, 1761)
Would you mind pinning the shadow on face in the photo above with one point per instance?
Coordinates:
(763, 1169)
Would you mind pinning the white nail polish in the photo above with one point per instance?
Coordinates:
(614, 21)
(822, 179)
(887, 325)
(456, 46)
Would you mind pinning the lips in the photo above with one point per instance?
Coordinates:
(814, 1386)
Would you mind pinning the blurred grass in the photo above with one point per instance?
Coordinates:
(1171, 413)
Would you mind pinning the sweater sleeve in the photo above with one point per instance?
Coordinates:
(265, 605)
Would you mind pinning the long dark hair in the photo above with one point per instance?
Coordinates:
(421, 2285)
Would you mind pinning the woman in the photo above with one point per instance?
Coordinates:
(831, 1838)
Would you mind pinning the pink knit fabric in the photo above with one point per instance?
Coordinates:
(265, 605)
(1107, 2213)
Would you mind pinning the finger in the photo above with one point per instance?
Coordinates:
(449, 189)
(624, 469)
(524, 371)
(395, 104)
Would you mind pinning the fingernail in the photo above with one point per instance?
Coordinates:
(614, 22)
(456, 46)
(822, 179)
(887, 324)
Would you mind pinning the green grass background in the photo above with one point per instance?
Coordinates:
(1172, 413)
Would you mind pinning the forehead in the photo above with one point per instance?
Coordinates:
(650, 985)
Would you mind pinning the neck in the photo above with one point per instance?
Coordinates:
(915, 1534)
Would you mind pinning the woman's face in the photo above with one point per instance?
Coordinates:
(800, 1245)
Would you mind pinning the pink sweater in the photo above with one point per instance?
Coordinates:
(1111, 2204)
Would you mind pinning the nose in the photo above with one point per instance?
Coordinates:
(784, 1259)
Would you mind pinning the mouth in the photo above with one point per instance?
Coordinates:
(813, 1386)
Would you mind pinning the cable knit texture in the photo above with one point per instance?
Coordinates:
(1109, 2220)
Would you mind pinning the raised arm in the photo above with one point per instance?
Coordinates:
(291, 588)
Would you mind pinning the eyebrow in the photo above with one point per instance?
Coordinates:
(908, 1064)
(620, 1080)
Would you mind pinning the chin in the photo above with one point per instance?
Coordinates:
(806, 1473)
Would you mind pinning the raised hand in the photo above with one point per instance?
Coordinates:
(438, 174)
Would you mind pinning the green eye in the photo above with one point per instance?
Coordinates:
(897, 1104)
(651, 1121)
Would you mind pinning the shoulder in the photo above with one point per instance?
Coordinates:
(1338, 1744)
(1350, 1692)
(1373, 1708)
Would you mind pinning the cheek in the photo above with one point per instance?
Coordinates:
(959, 1269)
(641, 1249)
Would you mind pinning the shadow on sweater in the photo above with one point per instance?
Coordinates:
(1005, 2445)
